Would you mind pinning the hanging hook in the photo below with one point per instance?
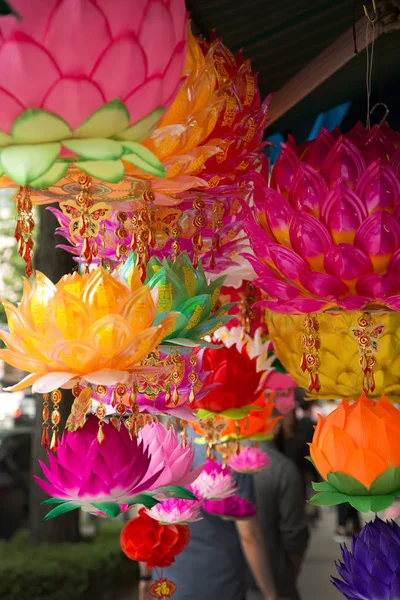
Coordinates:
(386, 113)
(372, 19)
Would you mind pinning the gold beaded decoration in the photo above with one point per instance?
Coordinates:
(122, 233)
(311, 346)
(101, 391)
(367, 334)
(45, 424)
(24, 227)
(56, 397)
(193, 379)
(198, 222)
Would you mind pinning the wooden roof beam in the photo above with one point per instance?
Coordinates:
(332, 59)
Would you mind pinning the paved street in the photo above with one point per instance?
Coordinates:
(319, 564)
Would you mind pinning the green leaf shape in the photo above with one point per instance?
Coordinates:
(5, 139)
(195, 310)
(261, 437)
(176, 491)
(146, 499)
(108, 121)
(61, 509)
(111, 509)
(328, 499)
(37, 126)
(172, 291)
(322, 486)
(50, 177)
(235, 413)
(143, 128)
(95, 148)
(143, 158)
(56, 501)
(208, 327)
(346, 484)
(386, 483)
(184, 269)
(278, 366)
(26, 163)
(184, 342)
(201, 279)
(379, 503)
(105, 170)
(222, 312)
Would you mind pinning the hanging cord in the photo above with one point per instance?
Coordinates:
(370, 37)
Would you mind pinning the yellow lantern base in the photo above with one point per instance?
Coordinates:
(340, 372)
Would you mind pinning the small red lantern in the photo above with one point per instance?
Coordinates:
(145, 540)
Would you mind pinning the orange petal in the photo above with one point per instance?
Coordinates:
(21, 361)
(103, 294)
(364, 465)
(337, 446)
(320, 461)
(361, 424)
(139, 310)
(386, 409)
(318, 429)
(337, 418)
(387, 444)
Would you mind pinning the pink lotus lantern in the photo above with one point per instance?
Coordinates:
(326, 236)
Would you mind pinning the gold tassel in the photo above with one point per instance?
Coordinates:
(56, 397)
(45, 424)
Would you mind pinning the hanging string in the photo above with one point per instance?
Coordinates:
(370, 39)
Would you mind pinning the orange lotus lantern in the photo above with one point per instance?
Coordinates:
(356, 450)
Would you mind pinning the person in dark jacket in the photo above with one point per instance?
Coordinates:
(280, 509)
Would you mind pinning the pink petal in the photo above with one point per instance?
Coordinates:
(259, 240)
(379, 237)
(278, 214)
(347, 263)
(357, 134)
(157, 25)
(127, 18)
(27, 71)
(378, 286)
(310, 239)
(34, 17)
(127, 53)
(49, 489)
(394, 263)
(393, 302)
(354, 302)
(344, 164)
(10, 110)
(306, 305)
(73, 100)
(179, 18)
(323, 285)
(284, 170)
(379, 188)
(277, 306)
(173, 75)
(76, 36)
(277, 289)
(308, 190)
(375, 146)
(317, 151)
(395, 162)
(144, 99)
(288, 263)
(259, 267)
(342, 213)
(392, 136)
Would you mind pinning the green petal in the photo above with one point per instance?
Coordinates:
(235, 413)
(202, 413)
(24, 164)
(105, 122)
(112, 509)
(379, 503)
(143, 159)
(61, 509)
(36, 126)
(361, 503)
(105, 170)
(95, 148)
(145, 499)
(50, 177)
(346, 484)
(208, 327)
(322, 486)
(5, 140)
(328, 499)
(55, 501)
(143, 128)
(386, 483)
(176, 491)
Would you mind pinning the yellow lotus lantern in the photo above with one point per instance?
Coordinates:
(89, 329)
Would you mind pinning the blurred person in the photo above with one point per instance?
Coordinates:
(213, 566)
(280, 510)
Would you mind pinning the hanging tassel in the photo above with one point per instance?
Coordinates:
(311, 346)
(45, 424)
(56, 397)
(367, 334)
